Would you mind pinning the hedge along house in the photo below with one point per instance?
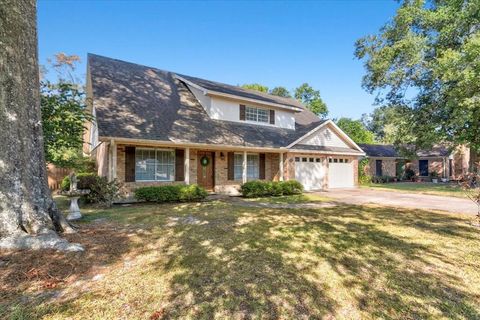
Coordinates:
(386, 160)
(155, 127)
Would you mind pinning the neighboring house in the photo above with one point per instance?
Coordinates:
(156, 127)
(385, 160)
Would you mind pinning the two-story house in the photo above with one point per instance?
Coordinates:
(157, 127)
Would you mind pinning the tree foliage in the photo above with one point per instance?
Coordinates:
(387, 123)
(356, 130)
(281, 92)
(63, 114)
(256, 87)
(427, 61)
(311, 99)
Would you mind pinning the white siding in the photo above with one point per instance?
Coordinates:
(223, 109)
(229, 110)
(325, 137)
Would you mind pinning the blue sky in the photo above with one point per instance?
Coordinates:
(272, 43)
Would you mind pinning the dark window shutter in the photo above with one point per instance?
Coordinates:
(230, 160)
(179, 165)
(242, 112)
(262, 166)
(129, 164)
(272, 116)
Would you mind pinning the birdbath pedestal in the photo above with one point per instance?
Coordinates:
(74, 194)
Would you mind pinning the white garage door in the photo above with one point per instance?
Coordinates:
(310, 172)
(340, 173)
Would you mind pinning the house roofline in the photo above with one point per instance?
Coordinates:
(343, 134)
(207, 92)
(220, 147)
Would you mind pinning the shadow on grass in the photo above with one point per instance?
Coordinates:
(266, 263)
(219, 260)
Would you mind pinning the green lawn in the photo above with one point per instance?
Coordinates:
(215, 260)
(292, 199)
(442, 189)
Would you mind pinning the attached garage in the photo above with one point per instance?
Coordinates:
(340, 173)
(310, 171)
(326, 158)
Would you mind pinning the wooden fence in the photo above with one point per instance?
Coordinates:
(55, 176)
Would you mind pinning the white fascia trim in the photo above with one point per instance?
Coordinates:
(190, 83)
(235, 97)
(146, 142)
(327, 152)
(342, 134)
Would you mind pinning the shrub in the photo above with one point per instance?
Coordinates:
(102, 191)
(260, 188)
(171, 193)
(291, 187)
(409, 174)
(84, 181)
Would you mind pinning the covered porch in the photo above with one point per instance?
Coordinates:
(220, 170)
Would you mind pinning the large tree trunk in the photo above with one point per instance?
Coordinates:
(29, 218)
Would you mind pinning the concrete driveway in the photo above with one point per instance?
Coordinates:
(402, 199)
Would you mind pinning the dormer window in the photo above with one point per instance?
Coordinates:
(254, 114)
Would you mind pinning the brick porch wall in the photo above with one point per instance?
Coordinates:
(222, 184)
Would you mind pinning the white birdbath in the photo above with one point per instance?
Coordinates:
(74, 194)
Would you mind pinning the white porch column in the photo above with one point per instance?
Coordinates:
(187, 166)
(244, 171)
(114, 159)
(281, 167)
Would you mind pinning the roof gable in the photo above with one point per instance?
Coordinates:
(326, 136)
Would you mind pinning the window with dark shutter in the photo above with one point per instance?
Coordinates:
(129, 164)
(242, 112)
(262, 166)
(272, 116)
(231, 162)
(179, 165)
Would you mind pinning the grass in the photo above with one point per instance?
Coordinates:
(215, 260)
(441, 189)
(292, 199)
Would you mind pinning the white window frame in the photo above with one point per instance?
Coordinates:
(156, 165)
(256, 167)
(254, 113)
(238, 167)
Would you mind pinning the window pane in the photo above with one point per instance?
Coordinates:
(262, 115)
(252, 166)
(238, 166)
(256, 114)
(145, 164)
(251, 113)
(165, 166)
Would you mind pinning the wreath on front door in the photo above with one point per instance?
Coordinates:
(204, 161)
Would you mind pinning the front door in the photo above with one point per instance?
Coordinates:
(423, 167)
(205, 169)
(378, 168)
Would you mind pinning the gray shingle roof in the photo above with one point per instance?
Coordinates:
(241, 92)
(140, 102)
(389, 151)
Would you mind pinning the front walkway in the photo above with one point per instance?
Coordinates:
(402, 199)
